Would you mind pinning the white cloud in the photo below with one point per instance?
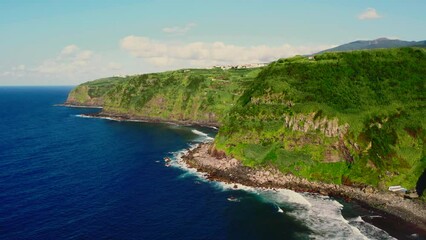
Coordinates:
(178, 29)
(369, 13)
(16, 71)
(69, 49)
(206, 54)
(71, 60)
(71, 64)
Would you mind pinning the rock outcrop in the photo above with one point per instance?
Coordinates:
(313, 121)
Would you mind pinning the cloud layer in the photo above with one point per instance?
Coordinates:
(178, 29)
(73, 64)
(70, 63)
(206, 54)
(369, 14)
(70, 60)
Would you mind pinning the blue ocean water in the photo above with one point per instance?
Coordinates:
(67, 177)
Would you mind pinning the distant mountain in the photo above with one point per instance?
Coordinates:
(372, 44)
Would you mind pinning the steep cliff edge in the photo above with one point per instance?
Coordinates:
(92, 93)
(353, 118)
(200, 96)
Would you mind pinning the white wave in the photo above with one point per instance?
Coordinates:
(234, 186)
(83, 116)
(202, 134)
(369, 230)
(111, 119)
(199, 133)
(285, 196)
(325, 220)
(107, 118)
(320, 213)
(77, 106)
(177, 162)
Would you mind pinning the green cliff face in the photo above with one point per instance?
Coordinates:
(350, 118)
(92, 93)
(189, 95)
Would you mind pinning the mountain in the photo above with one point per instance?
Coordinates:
(373, 44)
(351, 118)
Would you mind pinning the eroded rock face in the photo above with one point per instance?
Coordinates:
(314, 122)
(218, 154)
(311, 122)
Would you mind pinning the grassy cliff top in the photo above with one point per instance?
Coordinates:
(346, 117)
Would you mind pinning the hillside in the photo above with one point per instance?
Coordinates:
(189, 95)
(374, 44)
(92, 93)
(348, 118)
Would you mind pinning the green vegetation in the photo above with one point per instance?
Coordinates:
(92, 93)
(348, 118)
(200, 95)
(196, 95)
(351, 117)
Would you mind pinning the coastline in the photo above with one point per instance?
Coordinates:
(135, 118)
(72, 105)
(217, 167)
(229, 170)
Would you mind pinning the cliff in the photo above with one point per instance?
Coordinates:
(353, 118)
(92, 93)
(190, 95)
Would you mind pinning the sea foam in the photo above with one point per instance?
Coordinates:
(320, 213)
(205, 136)
(107, 118)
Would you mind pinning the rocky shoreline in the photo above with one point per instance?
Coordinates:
(218, 167)
(129, 117)
(73, 105)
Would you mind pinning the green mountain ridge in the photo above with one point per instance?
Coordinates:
(375, 44)
(353, 118)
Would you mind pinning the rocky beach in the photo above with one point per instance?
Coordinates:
(219, 167)
(136, 118)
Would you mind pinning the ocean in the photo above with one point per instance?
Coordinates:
(63, 176)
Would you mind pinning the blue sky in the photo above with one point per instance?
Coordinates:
(69, 42)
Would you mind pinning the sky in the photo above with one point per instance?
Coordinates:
(68, 42)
